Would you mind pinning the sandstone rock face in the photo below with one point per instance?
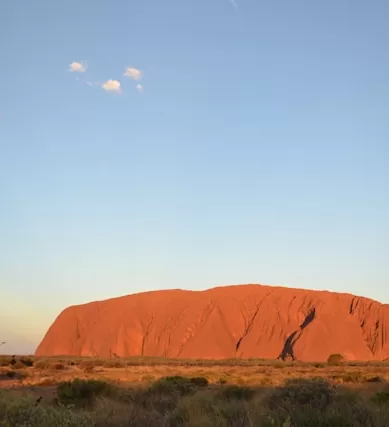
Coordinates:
(246, 321)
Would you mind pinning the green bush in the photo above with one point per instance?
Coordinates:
(381, 398)
(199, 381)
(83, 392)
(164, 394)
(177, 385)
(22, 412)
(203, 410)
(236, 392)
(316, 393)
(335, 359)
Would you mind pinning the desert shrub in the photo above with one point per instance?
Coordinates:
(11, 374)
(58, 366)
(5, 360)
(205, 409)
(83, 392)
(333, 416)
(27, 362)
(47, 380)
(18, 365)
(114, 364)
(164, 394)
(148, 378)
(376, 379)
(381, 398)
(175, 384)
(338, 408)
(235, 392)
(199, 381)
(22, 412)
(318, 365)
(352, 377)
(335, 359)
(194, 410)
(316, 393)
(42, 364)
(88, 366)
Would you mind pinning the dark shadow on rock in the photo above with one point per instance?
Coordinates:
(287, 351)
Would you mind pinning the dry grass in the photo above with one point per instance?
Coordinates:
(47, 371)
(228, 393)
(192, 402)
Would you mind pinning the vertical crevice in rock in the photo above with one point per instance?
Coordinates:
(146, 335)
(247, 330)
(288, 350)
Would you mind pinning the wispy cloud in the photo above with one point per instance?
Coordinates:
(112, 86)
(234, 4)
(133, 73)
(139, 88)
(78, 67)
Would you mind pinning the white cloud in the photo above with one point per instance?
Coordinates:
(139, 88)
(78, 67)
(112, 86)
(234, 4)
(133, 73)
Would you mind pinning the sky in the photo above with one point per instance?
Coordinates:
(188, 144)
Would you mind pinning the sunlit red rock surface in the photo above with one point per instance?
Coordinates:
(248, 321)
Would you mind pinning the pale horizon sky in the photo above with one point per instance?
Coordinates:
(189, 144)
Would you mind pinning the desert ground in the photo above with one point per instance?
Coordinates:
(66, 391)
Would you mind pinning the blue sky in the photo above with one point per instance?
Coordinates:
(255, 150)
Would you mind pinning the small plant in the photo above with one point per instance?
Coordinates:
(381, 398)
(19, 365)
(82, 392)
(88, 366)
(5, 361)
(27, 362)
(236, 392)
(114, 364)
(199, 381)
(319, 365)
(58, 366)
(11, 374)
(375, 380)
(173, 385)
(148, 378)
(42, 364)
(335, 359)
(316, 393)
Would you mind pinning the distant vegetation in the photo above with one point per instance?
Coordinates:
(75, 391)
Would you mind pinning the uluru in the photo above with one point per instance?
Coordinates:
(242, 321)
